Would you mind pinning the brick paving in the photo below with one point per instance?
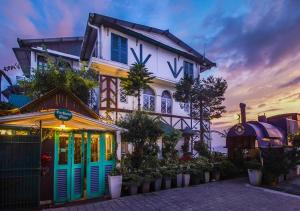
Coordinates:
(224, 195)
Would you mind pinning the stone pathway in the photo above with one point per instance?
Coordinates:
(224, 195)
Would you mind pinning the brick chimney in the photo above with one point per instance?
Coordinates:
(243, 112)
(262, 118)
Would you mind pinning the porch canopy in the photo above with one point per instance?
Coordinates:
(48, 120)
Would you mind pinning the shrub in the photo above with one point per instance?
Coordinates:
(253, 164)
(228, 169)
(202, 149)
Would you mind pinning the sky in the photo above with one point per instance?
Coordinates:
(255, 43)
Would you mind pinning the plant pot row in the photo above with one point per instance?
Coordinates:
(181, 180)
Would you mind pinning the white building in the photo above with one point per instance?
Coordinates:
(110, 46)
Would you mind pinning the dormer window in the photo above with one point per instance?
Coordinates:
(118, 48)
(188, 69)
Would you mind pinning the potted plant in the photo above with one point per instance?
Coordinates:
(196, 175)
(186, 176)
(157, 177)
(115, 183)
(254, 172)
(216, 172)
(207, 169)
(179, 177)
(147, 179)
(168, 174)
(132, 181)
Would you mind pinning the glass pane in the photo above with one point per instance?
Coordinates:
(163, 105)
(146, 102)
(63, 149)
(169, 106)
(108, 145)
(94, 148)
(77, 148)
(152, 103)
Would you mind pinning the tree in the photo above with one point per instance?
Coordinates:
(138, 79)
(6, 77)
(60, 75)
(170, 141)
(142, 131)
(208, 96)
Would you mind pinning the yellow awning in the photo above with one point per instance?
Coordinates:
(48, 120)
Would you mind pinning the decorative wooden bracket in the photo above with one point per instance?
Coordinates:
(174, 70)
(140, 60)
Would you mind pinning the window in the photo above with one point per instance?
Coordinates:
(123, 96)
(41, 62)
(188, 69)
(124, 148)
(166, 102)
(108, 147)
(63, 149)
(118, 48)
(77, 148)
(185, 106)
(148, 100)
(94, 148)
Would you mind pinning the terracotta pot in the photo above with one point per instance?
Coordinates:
(255, 176)
(146, 187)
(186, 180)
(206, 176)
(115, 186)
(179, 180)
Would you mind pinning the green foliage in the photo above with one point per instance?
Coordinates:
(253, 164)
(184, 89)
(6, 106)
(116, 172)
(142, 132)
(138, 79)
(60, 75)
(275, 162)
(132, 178)
(170, 141)
(202, 148)
(228, 169)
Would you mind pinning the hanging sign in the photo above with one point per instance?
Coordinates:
(63, 114)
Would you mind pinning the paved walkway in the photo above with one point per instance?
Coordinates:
(290, 186)
(224, 195)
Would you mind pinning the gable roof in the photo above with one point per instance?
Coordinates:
(145, 33)
(54, 100)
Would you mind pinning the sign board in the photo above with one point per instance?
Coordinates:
(63, 114)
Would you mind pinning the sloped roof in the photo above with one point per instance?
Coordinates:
(167, 40)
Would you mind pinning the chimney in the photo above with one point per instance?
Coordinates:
(262, 118)
(243, 112)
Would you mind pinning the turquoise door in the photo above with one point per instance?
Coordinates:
(108, 142)
(68, 167)
(62, 148)
(77, 169)
(93, 176)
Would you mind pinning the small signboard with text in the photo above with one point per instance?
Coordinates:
(63, 114)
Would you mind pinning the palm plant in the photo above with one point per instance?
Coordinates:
(138, 79)
(6, 77)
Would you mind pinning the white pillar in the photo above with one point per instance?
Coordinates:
(118, 139)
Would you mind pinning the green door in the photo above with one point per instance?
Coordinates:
(68, 166)
(62, 148)
(77, 142)
(93, 176)
(108, 143)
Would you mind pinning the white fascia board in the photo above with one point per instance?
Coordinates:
(56, 52)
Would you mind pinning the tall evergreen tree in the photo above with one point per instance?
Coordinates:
(207, 100)
(138, 79)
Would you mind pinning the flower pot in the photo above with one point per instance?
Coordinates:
(206, 176)
(255, 176)
(167, 183)
(157, 184)
(114, 186)
(146, 187)
(298, 170)
(179, 180)
(186, 179)
(133, 189)
(216, 175)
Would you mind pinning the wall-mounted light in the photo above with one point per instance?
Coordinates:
(62, 126)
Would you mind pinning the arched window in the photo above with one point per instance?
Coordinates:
(166, 102)
(148, 100)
